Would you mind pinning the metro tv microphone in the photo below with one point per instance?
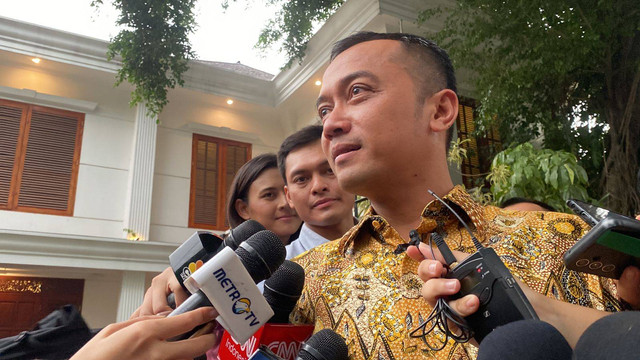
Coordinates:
(228, 282)
(202, 246)
(282, 291)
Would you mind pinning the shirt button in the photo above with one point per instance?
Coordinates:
(376, 224)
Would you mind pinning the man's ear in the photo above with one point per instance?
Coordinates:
(446, 110)
(288, 197)
(242, 209)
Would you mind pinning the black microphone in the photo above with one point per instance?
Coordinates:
(324, 345)
(614, 336)
(227, 282)
(283, 289)
(202, 246)
(525, 340)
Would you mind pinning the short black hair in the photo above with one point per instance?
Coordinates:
(300, 138)
(245, 176)
(426, 54)
(519, 200)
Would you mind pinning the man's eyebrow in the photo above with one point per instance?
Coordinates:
(346, 80)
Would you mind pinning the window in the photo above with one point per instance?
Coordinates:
(39, 157)
(214, 163)
(480, 150)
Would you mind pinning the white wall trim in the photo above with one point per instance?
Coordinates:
(37, 98)
(352, 16)
(222, 132)
(27, 248)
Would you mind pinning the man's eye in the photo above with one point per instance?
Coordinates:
(357, 89)
(299, 179)
(330, 171)
(323, 112)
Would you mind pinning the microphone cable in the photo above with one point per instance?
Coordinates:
(442, 313)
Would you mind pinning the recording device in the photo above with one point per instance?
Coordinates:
(609, 247)
(228, 282)
(202, 246)
(282, 290)
(482, 274)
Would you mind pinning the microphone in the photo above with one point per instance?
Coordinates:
(276, 338)
(227, 282)
(202, 246)
(525, 340)
(614, 336)
(324, 345)
(283, 289)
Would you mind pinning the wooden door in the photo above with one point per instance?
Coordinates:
(26, 300)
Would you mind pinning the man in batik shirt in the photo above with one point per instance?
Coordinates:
(387, 103)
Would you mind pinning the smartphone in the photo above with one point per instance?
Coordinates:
(612, 244)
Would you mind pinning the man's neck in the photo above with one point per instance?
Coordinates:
(334, 231)
(403, 209)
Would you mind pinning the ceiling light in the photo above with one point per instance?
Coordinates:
(36, 60)
(230, 102)
(318, 82)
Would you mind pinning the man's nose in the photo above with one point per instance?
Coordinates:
(319, 185)
(336, 123)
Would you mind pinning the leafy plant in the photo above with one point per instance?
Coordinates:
(154, 47)
(544, 175)
(564, 71)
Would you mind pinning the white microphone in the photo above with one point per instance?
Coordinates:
(228, 282)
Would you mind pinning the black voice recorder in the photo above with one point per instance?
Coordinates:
(501, 300)
(482, 274)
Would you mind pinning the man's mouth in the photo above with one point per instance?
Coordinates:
(342, 149)
(322, 202)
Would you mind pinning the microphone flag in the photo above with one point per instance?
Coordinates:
(284, 340)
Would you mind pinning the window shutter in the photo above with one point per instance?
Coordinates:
(10, 118)
(206, 186)
(50, 164)
(213, 167)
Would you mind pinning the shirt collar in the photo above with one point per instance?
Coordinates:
(434, 214)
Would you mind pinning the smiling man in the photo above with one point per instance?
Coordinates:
(312, 190)
(387, 104)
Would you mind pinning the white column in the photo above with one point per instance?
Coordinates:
(138, 207)
(131, 293)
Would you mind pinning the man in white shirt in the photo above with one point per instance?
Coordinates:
(312, 190)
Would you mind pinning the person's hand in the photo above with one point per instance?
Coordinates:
(431, 270)
(155, 299)
(146, 338)
(629, 285)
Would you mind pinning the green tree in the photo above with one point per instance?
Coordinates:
(566, 70)
(539, 174)
(153, 46)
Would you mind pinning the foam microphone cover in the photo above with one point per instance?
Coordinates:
(615, 336)
(241, 233)
(266, 257)
(283, 289)
(324, 345)
(525, 340)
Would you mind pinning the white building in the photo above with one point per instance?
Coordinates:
(113, 168)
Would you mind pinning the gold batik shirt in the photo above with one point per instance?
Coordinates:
(359, 288)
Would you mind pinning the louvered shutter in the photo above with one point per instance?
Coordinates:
(214, 165)
(10, 119)
(49, 161)
(206, 186)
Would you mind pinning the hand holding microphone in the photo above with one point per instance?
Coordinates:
(168, 288)
(227, 282)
